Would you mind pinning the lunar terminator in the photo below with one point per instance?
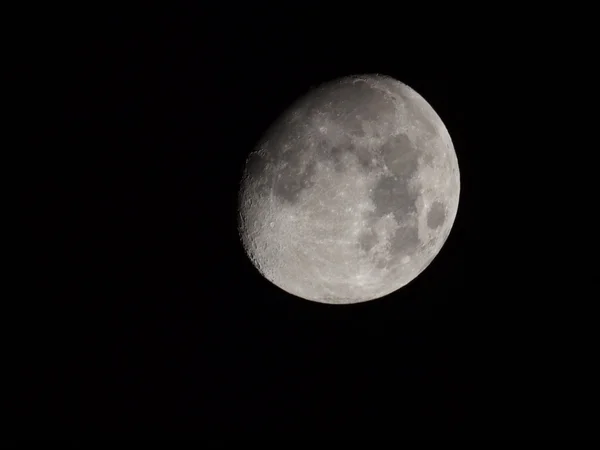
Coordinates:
(351, 193)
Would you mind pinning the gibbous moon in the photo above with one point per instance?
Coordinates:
(351, 193)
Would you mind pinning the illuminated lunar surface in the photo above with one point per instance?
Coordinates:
(351, 193)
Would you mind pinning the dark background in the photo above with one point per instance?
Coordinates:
(150, 320)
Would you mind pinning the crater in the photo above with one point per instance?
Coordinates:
(436, 215)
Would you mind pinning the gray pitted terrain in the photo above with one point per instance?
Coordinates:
(352, 193)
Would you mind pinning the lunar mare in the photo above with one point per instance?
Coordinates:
(351, 193)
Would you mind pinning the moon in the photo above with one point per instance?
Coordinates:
(351, 193)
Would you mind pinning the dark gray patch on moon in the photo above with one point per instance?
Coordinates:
(322, 147)
(345, 153)
(353, 124)
(394, 195)
(405, 241)
(436, 215)
(336, 154)
(367, 240)
(366, 158)
(255, 163)
(426, 158)
(400, 156)
(341, 151)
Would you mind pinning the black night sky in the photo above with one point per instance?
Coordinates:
(155, 323)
